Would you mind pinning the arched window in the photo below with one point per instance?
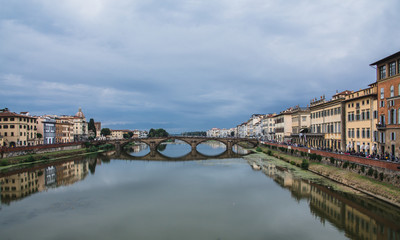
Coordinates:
(392, 91)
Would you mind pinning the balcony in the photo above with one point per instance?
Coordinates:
(380, 127)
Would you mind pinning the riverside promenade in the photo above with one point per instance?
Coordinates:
(343, 157)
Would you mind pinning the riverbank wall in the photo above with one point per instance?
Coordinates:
(379, 170)
(20, 151)
(367, 185)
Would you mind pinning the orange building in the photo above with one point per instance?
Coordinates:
(388, 86)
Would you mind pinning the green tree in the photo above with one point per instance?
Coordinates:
(105, 132)
(39, 135)
(157, 133)
(126, 136)
(130, 134)
(91, 126)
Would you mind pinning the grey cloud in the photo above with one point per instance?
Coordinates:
(204, 63)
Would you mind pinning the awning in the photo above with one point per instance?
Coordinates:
(367, 147)
(373, 148)
(362, 147)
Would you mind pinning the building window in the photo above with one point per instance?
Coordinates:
(392, 91)
(393, 136)
(399, 90)
(398, 66)
(382, 93)
(375, 114)
(382, 72)
(363, 133)
(367, 115)
(368, 133)
(392, 69)
(358, 133)
(382, 104)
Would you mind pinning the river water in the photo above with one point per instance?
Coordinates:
(101, 197)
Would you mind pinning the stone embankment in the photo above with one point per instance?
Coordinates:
(379, 182)
(20, 151)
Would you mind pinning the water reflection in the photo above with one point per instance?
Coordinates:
(359, 217)
(139, 149)
(19, 184)
(211, 148)
(174, 149)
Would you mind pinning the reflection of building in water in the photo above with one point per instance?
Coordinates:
(300, 189)
(269, 169)
(284, 178)
(238, 149)
(50, 176)
(65, 173)
(359, 221)
(139, 147)
(81, 170)
(327, 207)
(20, 185)
(359, 218)
(214, 144)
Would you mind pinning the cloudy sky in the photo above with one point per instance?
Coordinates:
(187, 65)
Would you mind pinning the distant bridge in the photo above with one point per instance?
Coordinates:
(153, 143)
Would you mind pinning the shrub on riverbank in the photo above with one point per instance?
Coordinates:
(304, 164)
(258, 149)
(4, 162)
(30, 159)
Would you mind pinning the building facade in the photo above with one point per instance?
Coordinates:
(327, 123)
(361, 119)
(283, 126)
(268, 127)
(300, 124)
(47, 128)
(17, 129)
(64, 131)
(388, 87)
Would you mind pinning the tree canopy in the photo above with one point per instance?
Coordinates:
(157, 133)
(105, 132)
(198, 133)
(91, 126)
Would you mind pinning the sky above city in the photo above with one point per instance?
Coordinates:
(187, 65)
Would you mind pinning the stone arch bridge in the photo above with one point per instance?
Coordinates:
(153, 143)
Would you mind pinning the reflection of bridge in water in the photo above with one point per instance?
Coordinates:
(155, 155)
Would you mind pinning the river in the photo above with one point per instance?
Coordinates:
(108, 197)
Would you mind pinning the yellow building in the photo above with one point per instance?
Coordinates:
(119, 134)
(327, 123)
(17, 129)
(361, 119)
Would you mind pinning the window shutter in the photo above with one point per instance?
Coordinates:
(389, 118)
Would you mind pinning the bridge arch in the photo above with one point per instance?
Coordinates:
(192, 141)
